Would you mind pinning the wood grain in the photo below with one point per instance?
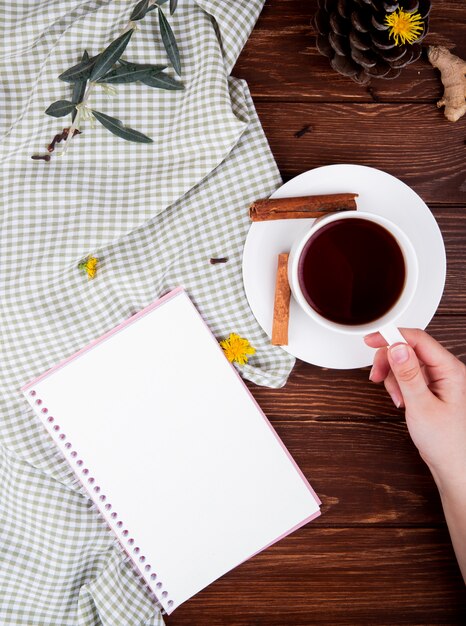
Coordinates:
(366, 472)
(411, 141)
(452, 223)
(342, 577)
(280, 60)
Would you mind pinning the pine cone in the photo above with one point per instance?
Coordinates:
(355, 36)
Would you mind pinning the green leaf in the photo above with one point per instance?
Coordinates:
(143, 66)
(162, 81)
(173, 5)
(80, 71)
(169, 42)
(156, 5)
(124, 74)
(79, 88)
(116, 127)
(142, 8)
(110, 55)
(139, 10)
(60, 108)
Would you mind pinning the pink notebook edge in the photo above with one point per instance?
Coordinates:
(100, 508)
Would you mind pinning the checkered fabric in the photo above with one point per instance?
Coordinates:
(154, 215)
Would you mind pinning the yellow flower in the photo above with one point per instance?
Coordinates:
(237, 349)
(404, 27)
(89, 266)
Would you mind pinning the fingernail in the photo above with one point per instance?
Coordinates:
(399, 353)
(396, 400)
(371, 372)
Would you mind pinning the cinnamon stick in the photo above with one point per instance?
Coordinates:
(301, 207)
(281, 308)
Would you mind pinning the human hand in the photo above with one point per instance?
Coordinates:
(430, 383)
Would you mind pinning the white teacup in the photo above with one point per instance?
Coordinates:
(387, 323)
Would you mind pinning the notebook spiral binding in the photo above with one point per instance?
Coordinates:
(100, 504)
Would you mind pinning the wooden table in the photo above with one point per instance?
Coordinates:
(380, 553)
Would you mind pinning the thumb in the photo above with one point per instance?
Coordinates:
(407, 371)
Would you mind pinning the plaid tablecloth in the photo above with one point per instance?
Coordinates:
(154, 215)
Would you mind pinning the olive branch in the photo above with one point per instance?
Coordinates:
(108, 68)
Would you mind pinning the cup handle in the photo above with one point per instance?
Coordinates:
(391, 334)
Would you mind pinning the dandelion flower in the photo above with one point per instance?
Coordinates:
(404, 27)
(237, 349)
(89, 266)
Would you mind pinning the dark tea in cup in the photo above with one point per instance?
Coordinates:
(352, 271)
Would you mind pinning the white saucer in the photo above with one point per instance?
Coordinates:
(379, 193)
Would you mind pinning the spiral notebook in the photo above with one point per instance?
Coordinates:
(172, 448)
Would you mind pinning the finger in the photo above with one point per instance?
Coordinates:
(425, 373)
(430, 351)
(375, 340)
(440, 363)
(380, 367)
(381, 371)
(407, 370)
(393, 388)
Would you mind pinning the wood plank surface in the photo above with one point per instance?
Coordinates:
(452, 223)
(366, 472)
(338, 576)
(280, 60)
(410, 141)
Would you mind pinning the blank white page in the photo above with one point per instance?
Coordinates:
(170, 435)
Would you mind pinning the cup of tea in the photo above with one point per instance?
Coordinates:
(354, 273)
